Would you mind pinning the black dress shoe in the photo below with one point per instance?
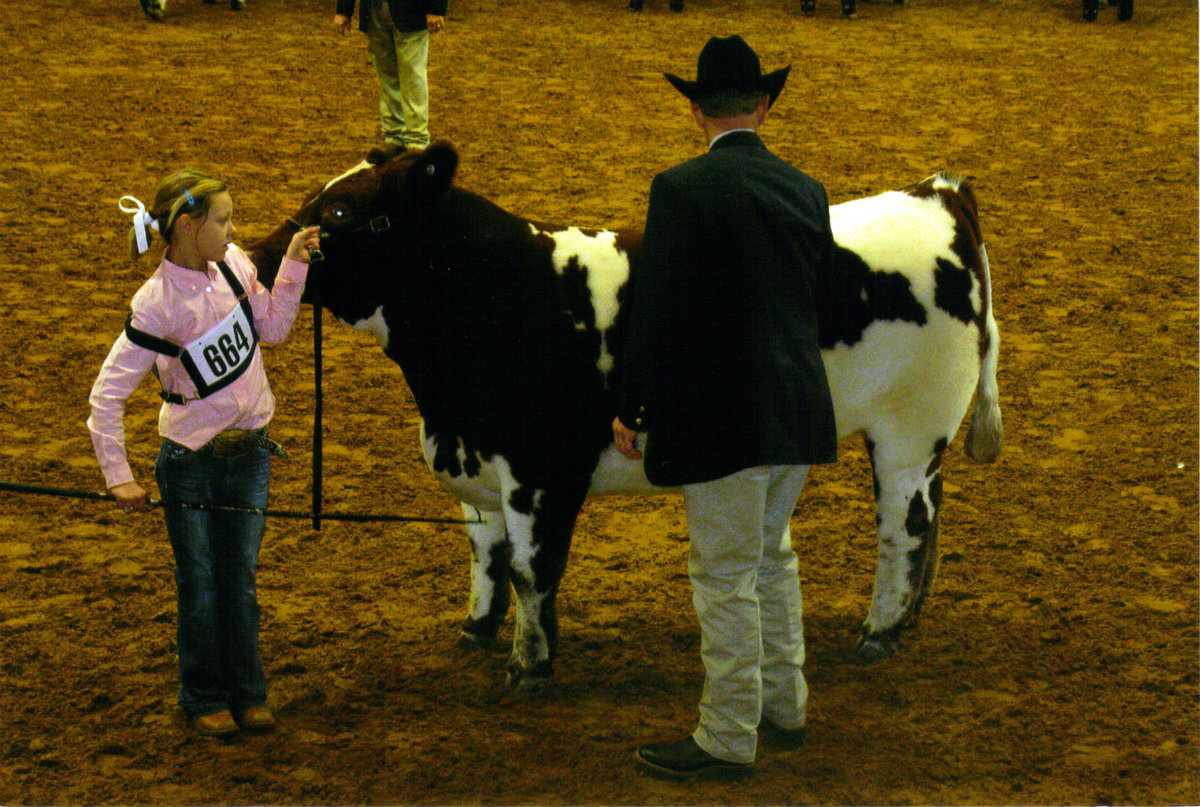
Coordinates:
(684, 759)
(787, 739)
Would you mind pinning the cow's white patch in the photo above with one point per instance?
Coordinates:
(486, 489)
(607, 269)
(520, 533)
(617, 474)
(375, 325)
(869, 228)
(362, 166)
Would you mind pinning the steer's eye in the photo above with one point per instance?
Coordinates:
(337, 214)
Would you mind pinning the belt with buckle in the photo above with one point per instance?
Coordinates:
(239, 442)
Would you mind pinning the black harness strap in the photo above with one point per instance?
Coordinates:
(238, 291)
(152, 342)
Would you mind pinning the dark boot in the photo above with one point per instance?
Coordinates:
(1090, 9)
(683, 759)
(808, 7)
(152, 10)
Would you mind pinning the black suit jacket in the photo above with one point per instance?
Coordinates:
(407, 15)
(722, 363)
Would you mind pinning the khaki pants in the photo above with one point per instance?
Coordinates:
(746, 590)
(400, 60)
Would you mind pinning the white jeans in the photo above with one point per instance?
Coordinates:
(400, 60)
(746, 589)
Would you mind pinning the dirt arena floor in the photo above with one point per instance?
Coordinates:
(1057, 661)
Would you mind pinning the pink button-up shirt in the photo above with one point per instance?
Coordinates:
(179, 305)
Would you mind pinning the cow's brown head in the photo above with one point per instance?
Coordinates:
(372, 217)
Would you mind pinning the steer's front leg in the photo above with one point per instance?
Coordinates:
(540, 523)
(491, 553)
(908, 496)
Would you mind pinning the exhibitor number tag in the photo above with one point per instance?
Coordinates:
(220, 356)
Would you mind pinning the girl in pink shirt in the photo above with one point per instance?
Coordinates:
(196, 324)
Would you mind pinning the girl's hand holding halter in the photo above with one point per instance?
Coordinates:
(302, 242)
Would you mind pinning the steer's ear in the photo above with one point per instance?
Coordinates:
(432, 172)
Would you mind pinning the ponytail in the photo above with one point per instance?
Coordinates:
(187, 191)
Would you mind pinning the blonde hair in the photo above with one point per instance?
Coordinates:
(185, 191)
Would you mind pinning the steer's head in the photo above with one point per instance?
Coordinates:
(376, 229)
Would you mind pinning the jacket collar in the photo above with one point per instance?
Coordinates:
(737, 137)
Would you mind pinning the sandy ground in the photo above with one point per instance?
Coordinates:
(1057, 660)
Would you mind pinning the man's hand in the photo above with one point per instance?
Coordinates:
(435, 22)
(341, 23)
(624, 438)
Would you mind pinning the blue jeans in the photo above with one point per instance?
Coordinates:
(216, 555)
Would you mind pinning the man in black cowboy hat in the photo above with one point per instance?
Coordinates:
(724, 373)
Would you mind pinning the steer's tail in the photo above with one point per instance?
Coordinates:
(986, 432)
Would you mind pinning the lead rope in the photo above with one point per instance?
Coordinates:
(315, 258)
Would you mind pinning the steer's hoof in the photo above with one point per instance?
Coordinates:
(528, 685)
(530, 682)
(877, 646)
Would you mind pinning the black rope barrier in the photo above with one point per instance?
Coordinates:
(43, 490)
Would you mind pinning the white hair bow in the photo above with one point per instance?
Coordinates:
(143, 222)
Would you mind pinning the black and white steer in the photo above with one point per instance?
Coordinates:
(509, 334)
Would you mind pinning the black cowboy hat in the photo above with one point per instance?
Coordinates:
(730, 65)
